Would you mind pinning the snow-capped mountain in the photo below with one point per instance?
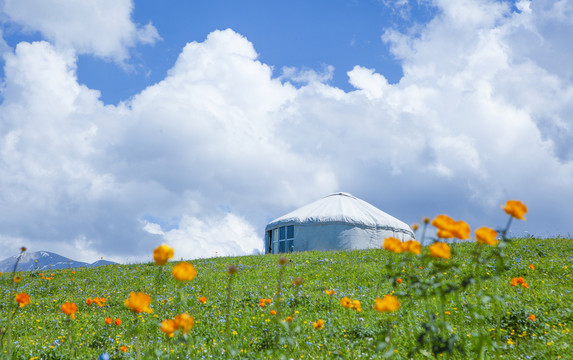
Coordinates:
(45, 260)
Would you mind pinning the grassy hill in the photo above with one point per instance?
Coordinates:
(457, 308)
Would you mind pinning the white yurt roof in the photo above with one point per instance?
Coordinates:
(341, 208)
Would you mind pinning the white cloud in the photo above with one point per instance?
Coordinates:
(204, 158)
(100, 27)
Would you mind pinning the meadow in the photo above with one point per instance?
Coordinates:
(511, 301)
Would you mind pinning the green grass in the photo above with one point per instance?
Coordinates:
(484, 314)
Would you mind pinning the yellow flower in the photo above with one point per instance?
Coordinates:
(515, 208)
(329, 292)
(184, 322)
(485, 235)
(23, 299)
(356, 305)
(394, 245)
(412, 246)
(388, 303)
(440, 250)
(162, 253)
(318, 325)
(346, 302)
(448, 228)
(168, 326)
(138, 302)
(69, 309)
(184, 271)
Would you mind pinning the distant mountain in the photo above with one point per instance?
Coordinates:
(45, 260)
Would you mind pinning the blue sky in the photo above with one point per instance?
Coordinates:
(125, 124)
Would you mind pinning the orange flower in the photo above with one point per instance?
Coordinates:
(108, 320)
(268, 301)
(329, 292)
(318, 325)
(399, 281)
(23, 299)
(138, 302)
(273, 312)
(202, 299)
(184, 322)
(70, 309)
(532, 317)
(515, 208)
(346, 302)
(168, 327)
(184, 271)
(356, 305)
(123, 349)
(394, 245)
(288, 319)
(117, 322)
(485, 235)
(261, 304)
(448, 228)
(162, 253)
(440, 250)
(519, 281)
(17, 279)
(531, 266)
(412, 246)
(525, 285)
(388, 303)
(415, 227)
(89, 301)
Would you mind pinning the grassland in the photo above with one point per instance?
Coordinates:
(461, 308)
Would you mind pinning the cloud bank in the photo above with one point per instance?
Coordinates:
(205, 157)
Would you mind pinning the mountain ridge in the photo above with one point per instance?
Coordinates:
(45, 260)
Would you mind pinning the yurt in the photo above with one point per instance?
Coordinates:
(338, 221)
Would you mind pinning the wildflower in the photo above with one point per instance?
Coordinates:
(425, 219)
(515, 208)
(448, 228)
(138, 302)
(394, 245)
(346, 302)
(162, 253)
(447, 312)
(485, 235)
(123, 348)
(531, 266)
(288, 319)
(17, 279)
(399, 281)
(415, 227)
(532, 317)
(273, 312)
(519, 281)
(283, 260)
(184, 322)
(168, 327)
(23, 299)
(440, 250)
(262, 303)
(356, 305)
(70, 309)
(232, 269)
(89, 301)
(388, 303)
(117, 322)
(412, 246)
(268, 301)
(108, 320)
(318, 325)
(184, 271)
(202, 299)
(329, 292)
